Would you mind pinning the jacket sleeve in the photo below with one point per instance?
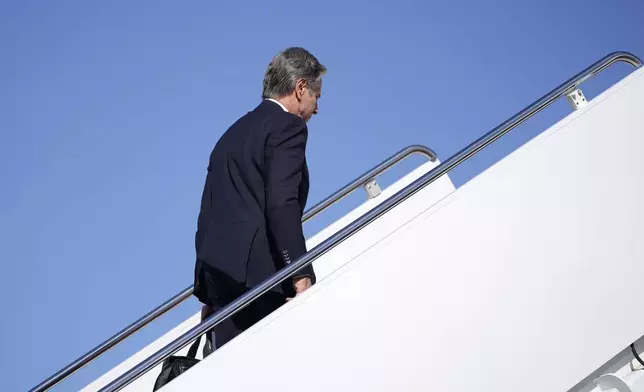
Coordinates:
(285, 155)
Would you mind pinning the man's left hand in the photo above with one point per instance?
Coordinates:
(301, 284)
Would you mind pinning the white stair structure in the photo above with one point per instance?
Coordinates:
(527, 278)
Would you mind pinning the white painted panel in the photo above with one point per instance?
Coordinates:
(369, 236)
(524, 279)
(323, 266)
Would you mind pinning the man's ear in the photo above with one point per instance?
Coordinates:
(300, 87)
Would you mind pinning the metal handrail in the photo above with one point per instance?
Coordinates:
(337, 238)
(187, 292)
(369, 175)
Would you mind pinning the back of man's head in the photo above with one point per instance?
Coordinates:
(289, 66)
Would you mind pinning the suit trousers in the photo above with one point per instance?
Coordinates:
(229, 328)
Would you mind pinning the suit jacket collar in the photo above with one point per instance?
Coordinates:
(278, 103)
(272, 106)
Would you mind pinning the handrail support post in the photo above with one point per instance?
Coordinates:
(576, 99)
(372, 188)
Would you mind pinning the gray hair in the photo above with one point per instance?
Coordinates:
(287, 68)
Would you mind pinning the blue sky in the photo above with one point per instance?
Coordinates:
(108, 111)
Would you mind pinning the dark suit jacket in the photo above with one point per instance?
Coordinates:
(256, 188)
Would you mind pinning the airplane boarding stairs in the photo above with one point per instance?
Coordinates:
(527, 278)
(323, 267)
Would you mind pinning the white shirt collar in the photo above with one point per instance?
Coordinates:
(279, 103)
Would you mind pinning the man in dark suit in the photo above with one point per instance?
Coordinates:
(250, 223)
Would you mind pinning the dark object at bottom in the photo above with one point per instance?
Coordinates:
(175, 365)
(639, 359)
